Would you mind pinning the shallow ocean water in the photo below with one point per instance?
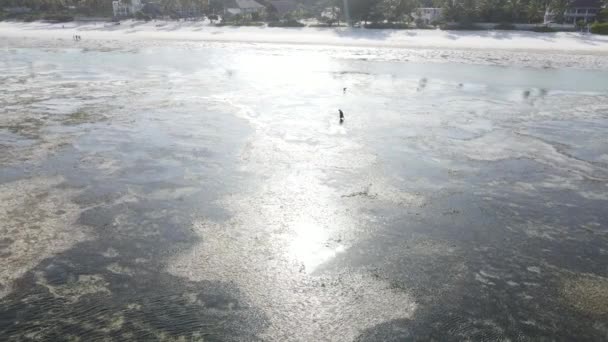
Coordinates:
(212, 194)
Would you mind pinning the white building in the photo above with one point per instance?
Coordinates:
(245, 8)
(231, 12)
(428, 15)
(126, 8)
(249, 6)
(583, 10)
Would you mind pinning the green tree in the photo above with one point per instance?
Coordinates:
(461, 11)
(535, 11)
(329, 17)
(51, 5)
(515, 10)
(363, 10)
(96, 7)
(602, 17)
(397, 10)
(215, 6)
(321, 6)
(491, 11)
(559, 7)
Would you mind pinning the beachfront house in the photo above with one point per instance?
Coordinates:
(427, 15)
(231, 12)
(124, 8)
(283, 7)
(245, 8)
(578, 10)
(249, 6)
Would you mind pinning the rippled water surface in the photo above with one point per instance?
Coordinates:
(212, 194)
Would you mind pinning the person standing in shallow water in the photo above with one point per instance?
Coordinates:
(341, 115)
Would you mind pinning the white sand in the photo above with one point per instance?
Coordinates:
(503, 48)
(198, 31)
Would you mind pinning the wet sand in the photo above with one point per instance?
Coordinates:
(210, 193)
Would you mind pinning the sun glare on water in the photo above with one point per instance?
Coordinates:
(310, 245)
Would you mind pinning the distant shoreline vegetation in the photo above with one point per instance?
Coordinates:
(522, 15)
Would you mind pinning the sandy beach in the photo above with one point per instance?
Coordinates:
(565, 49)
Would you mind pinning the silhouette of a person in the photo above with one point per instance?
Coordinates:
(341, 115)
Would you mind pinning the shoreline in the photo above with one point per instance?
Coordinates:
(341, 36)
(503, 48)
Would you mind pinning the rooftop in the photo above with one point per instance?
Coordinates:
(248, 4)
(586, 3)
(283, 6)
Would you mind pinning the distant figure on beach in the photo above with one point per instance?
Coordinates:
(341, 115)
(421, 84)
(344, 90)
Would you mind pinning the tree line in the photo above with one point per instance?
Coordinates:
(361, 11)
(460, 11)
